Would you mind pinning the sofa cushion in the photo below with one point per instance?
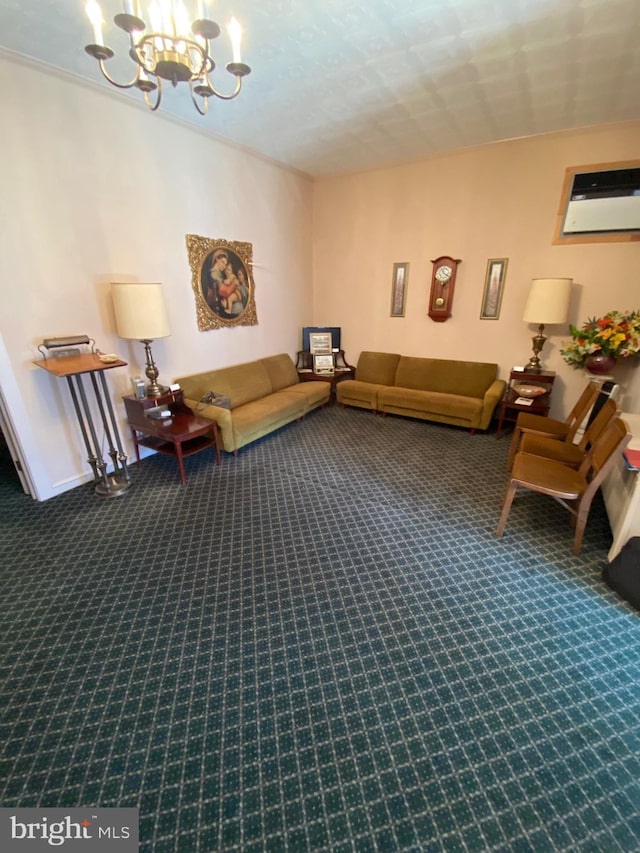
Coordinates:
(260, 417)
(196, 386)
(378, 367)
(420, 403)
(353, 392)
(281, 370)
(241, 383)
(466, 378)
(315, 393)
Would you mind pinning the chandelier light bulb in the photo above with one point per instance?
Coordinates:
(181, 20)
(202, 10)
(95, 16)
(155, 16)
(235, 33)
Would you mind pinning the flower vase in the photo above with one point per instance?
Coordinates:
(598, 364)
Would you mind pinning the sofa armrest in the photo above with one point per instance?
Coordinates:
(492, 397)
(221, 416)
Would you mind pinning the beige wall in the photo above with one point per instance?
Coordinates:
(492, 202)
(96, 189)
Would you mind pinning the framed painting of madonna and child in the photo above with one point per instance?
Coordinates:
(222, 282)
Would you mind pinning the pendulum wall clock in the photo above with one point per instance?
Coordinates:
(443, 282)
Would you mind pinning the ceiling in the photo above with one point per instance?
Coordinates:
(349, 85)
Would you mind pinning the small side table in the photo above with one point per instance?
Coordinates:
(180, 436)
(510, 409)
(342, 370)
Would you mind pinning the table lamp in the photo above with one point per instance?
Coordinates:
(141, 315)
(548, 303)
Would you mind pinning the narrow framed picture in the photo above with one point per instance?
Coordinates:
(319, 342)
(399, 289)
(493, 288)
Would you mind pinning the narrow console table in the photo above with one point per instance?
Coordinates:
(180, 435)
(73, 368)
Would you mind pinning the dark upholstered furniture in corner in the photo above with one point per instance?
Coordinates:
(264, 395)
(463, 393)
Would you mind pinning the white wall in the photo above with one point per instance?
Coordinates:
(497, 201)
(95, 190)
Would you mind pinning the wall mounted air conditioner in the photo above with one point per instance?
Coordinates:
(606, 201)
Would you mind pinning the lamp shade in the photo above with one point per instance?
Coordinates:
(140, 311)
(548, 300)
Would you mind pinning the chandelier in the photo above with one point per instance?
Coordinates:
(173, 50)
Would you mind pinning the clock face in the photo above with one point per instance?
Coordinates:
(443, 273)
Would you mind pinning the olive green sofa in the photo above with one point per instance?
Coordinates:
(263, 396)
(462, 393)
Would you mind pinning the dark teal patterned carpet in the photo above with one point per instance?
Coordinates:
(321, 645)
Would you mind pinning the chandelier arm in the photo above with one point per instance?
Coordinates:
(113, 82)
(153, 106)
(220, 94)
(202, 110)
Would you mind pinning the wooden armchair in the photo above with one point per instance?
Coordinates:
(566, 451)
(555, 429)
(573, 489)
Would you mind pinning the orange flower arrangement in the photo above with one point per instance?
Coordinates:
(616, 334)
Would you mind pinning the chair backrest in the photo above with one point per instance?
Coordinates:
(608, 410)
(604, 451)
(581, 408)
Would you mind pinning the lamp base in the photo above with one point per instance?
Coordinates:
(151, 372)
(155, 390)
(534, 365)
(114, 486)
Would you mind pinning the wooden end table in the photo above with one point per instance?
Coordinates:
(509, 408)
(182, 435)
(342, 370)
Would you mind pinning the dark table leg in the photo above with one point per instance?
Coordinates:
(500, 420)
(134, 436)
(178, 447)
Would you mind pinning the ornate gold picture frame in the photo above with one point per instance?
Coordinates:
(222, 282)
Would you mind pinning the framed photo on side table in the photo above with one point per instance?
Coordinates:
(493, 288)
(323, 363)
(319, 342)
(399, 289)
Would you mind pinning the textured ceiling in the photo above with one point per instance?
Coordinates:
(347, 85)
